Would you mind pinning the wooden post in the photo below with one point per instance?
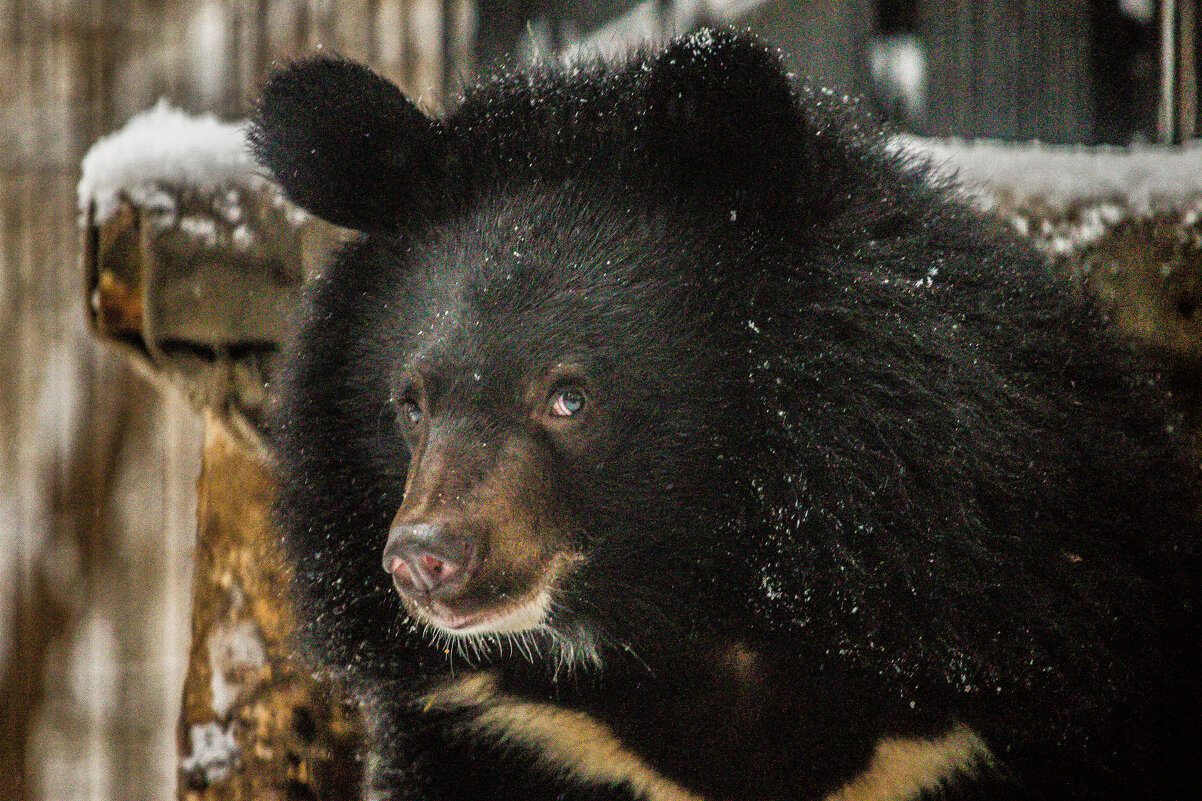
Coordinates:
(1177, 118)
(257, 722)
(198, 288)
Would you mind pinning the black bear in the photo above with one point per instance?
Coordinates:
(665, 435)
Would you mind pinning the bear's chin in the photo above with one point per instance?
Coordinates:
(528, 614)
(518, 631)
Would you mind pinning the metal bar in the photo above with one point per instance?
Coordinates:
(450, 64)
(1187, 66)
(1166, 125)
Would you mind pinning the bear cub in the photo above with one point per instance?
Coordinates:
(665, 434)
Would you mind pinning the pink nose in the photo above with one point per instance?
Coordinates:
(427, 560)
(427, 570)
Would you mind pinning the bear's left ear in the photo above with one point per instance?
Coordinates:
(346, 145)
(723, 117)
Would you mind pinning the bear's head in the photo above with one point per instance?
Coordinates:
(520, 391)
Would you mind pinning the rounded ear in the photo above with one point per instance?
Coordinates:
(347, 146)
(724, 118)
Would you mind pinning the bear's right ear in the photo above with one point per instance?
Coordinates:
(346, 145)
(722, 118)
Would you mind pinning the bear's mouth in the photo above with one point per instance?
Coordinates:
(527, 612)
(530, 613)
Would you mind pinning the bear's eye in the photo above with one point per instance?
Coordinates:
(411, 413)
(566, 401)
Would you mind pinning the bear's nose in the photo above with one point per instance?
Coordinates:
(428, 560)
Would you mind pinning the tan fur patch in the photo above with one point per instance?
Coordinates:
(903, 769)
(477, 689)
(743, 664)
(570, 741)
(512, 497)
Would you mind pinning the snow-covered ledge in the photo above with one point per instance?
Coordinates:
(194, 259)
(1125, 222)
(1144, 178)
(1074, 194)
(159, 151)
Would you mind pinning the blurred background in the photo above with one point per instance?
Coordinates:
(98, 469)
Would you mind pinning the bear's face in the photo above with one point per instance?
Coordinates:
(531, 387)
(553, 316)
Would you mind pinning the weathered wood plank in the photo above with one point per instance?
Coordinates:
(256, 722)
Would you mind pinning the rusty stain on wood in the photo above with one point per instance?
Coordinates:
(256, 722)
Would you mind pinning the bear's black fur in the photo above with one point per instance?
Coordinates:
(807, 481)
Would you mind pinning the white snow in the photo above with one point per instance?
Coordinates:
(164, 147)
(200, 228)
(899, 64)
(1143, 178)
(235, 648)
(1141, 10)
(213, 752)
